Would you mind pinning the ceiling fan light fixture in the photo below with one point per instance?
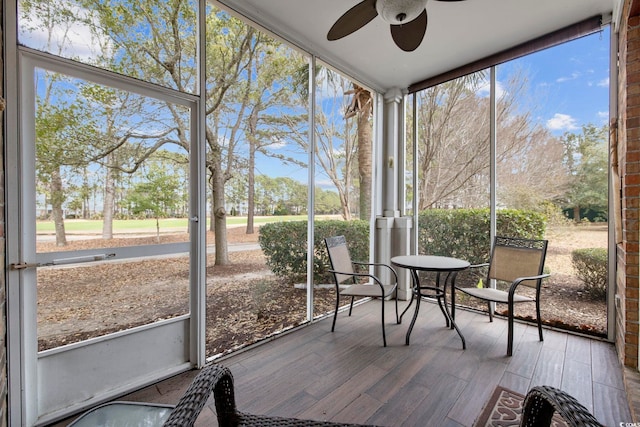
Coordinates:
(397, 12)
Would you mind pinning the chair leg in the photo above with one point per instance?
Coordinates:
(335, 312)
(413, 295)
(384, 336)
(539, 320)
(510, 331)
(351, 306)
(397, 318)
(490, 311)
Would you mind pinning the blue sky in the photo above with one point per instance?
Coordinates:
(569, 87)
(571, 83)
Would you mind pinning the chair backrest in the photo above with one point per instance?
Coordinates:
(209, 379)
(514, 257)
(339, 257)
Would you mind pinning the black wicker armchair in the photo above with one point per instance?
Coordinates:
(229, 416)
(213, 378)
(542, 402)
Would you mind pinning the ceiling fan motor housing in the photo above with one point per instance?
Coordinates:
(397, 12)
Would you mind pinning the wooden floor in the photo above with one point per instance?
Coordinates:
(348, 376)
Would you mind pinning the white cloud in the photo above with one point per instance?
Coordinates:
(325, 184)
(604, 82)
(573, 76)
(485, 87)
(71, 39)
(604, 117)
(277, 143)
(561, 122)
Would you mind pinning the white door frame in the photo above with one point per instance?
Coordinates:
(55, 383)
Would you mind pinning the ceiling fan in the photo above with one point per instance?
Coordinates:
(407, 19)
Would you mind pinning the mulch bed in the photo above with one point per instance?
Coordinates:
(245, 301)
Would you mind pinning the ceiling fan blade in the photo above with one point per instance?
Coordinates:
(409, 36)
(353, 19)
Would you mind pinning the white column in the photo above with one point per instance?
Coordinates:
(392, 230)
(392, 135)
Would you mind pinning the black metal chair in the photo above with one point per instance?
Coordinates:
(517, 262)
(542, 402)
(343, 271)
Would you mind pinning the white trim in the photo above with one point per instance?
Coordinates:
(612, 262)
(311, 207)
(107, 78)
(44, 373)
(198, 206)
(616, 16)
(17, 408)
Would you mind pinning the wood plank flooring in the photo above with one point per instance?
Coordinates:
(348, 376)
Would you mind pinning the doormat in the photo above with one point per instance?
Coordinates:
(504, 409)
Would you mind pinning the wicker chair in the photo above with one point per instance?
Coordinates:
(542, 402)
(343, 271)
(183, 414)
(213, 378)
(229, 416)
(518, 262)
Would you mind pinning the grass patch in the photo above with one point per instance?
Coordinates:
(149, 225)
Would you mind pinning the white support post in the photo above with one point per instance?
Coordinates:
(392, 230)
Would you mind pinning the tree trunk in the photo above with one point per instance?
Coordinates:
(212, 214)
(576, 213)
(57, 198)
(85, 194)
(109, 202)
(251, 184)
(219, 218)
(253, 125)
(364, 159)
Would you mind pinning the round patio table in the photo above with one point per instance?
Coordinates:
(438, 264)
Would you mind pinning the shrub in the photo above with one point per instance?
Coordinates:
(461, 233)
(591, 267)
(464, 233)
(285, 246)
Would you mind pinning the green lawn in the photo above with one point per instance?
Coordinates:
(95, 226)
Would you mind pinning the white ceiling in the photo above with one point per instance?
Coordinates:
(458, 33)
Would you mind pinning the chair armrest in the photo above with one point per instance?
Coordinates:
(379, 264)
(485, 264)
(212, 378)
(542, 401)
(519, 280)
(360, 275)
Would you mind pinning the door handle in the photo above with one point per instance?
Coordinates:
(23, 265)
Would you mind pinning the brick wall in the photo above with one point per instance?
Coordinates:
(628, 131)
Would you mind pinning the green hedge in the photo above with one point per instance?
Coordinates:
(591, 267)
(285, 247)
(464, 233)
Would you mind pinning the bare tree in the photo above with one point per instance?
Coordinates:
(454, 148)
(337, 147)
(273, 114)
